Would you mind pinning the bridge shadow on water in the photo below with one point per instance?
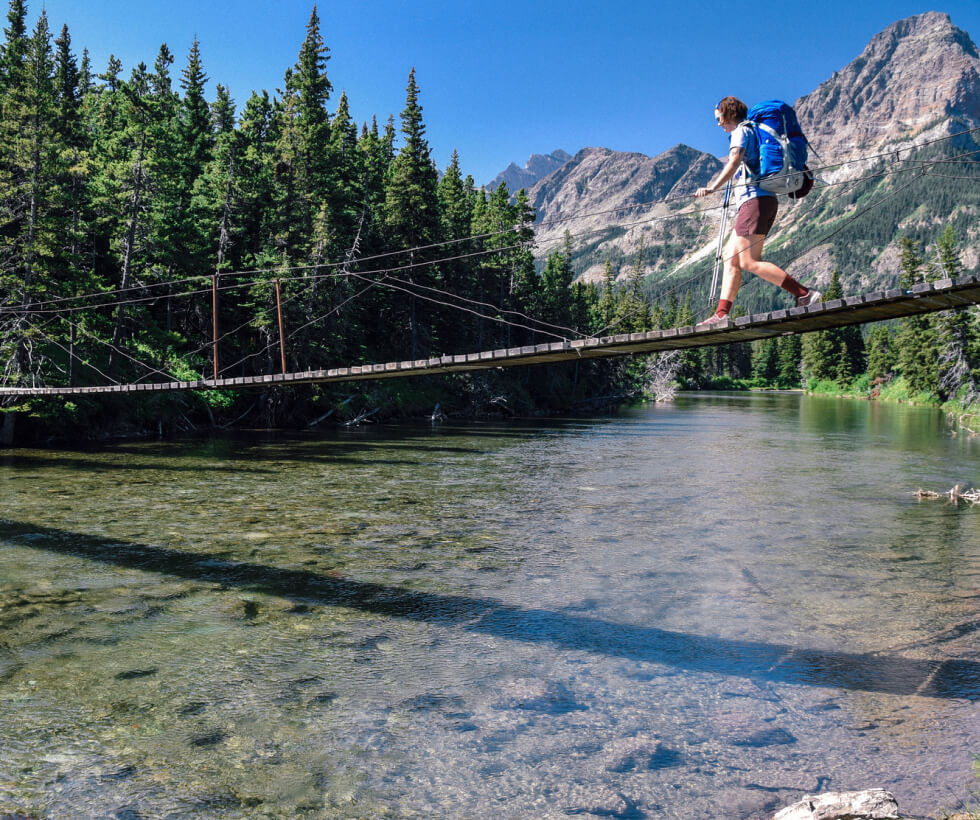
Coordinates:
(772, 662)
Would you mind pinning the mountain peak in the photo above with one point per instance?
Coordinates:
(917, 72)
(536, 168)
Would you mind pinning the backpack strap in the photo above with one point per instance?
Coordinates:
(748, 175)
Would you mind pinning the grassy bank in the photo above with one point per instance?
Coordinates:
(964, 416)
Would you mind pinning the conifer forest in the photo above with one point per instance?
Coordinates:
(149, 233)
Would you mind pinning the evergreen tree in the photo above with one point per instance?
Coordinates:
(412, 223)
(916, 337)
(881, 352)
(556, 281)
(836, 354)
(14, 48)
(765, 359)
(790, 353)
(345, 206)
(524, 284)
(71, 207)
(377, 152)
(312, 89)
(607, 299)
(955, 329)
(29, 153)
(411, 199)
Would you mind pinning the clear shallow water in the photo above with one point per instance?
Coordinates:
(703, 610)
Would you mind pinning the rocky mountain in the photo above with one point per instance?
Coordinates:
(916, 74)
(605, 199)
(537, 167)
(915, 85)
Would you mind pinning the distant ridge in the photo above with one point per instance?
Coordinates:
(614, 187)
(536, 168)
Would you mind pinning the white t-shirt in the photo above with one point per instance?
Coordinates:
(744, 137)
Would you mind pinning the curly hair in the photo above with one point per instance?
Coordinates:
(732, 109)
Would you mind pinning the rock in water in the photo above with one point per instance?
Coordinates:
(870, 804)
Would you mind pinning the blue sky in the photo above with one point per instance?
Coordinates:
(502, 80)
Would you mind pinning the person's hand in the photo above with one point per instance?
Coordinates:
(702, 192)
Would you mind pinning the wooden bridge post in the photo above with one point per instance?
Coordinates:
(282, 338)
(214, 321)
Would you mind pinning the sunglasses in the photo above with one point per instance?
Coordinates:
(717, 119)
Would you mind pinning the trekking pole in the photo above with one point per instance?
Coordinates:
(721, 241)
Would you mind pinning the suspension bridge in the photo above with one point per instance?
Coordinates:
(877, 306)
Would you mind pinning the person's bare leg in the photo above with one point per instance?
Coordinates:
(731, 280)
(749, 250)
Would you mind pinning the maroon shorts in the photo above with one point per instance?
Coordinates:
(756, 216)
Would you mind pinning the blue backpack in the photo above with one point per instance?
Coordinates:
(780, 165)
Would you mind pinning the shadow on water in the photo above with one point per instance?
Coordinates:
(779, 663)
(206, 454)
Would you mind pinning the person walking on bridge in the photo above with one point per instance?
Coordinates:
(756, 214)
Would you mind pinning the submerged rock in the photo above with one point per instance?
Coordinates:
(547, 697)
(765, 737)
(599, 801)
(640, 753)
(870, 804)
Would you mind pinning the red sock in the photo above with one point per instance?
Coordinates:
(724, 308)
(794, 287)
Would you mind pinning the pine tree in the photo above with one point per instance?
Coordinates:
(956, 367)
(377, 152)
(195, 124)
(412, 222)
(881, 352)
(14, 48)
(916, 337)
(29, 152)
(556, 281)
(836, 354)
(124, 168)
(819, 357)
(765, 360)
(607, 299)
(525, 284)
(71, 198)
(345, 206)
(312, 89)
(303, 162)
(411, 200)
(790, 353)
(181, 139)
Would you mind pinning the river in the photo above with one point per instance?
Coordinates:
(698, 610)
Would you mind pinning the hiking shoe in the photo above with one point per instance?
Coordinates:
(811, 297)
(711, 321)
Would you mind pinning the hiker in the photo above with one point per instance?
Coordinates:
(756, 213)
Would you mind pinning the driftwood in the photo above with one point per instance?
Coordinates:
(363, 416)
(330, 412)
(955, 495)
(958, 422)
(661, 374)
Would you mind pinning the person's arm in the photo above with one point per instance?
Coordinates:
(735, 157)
